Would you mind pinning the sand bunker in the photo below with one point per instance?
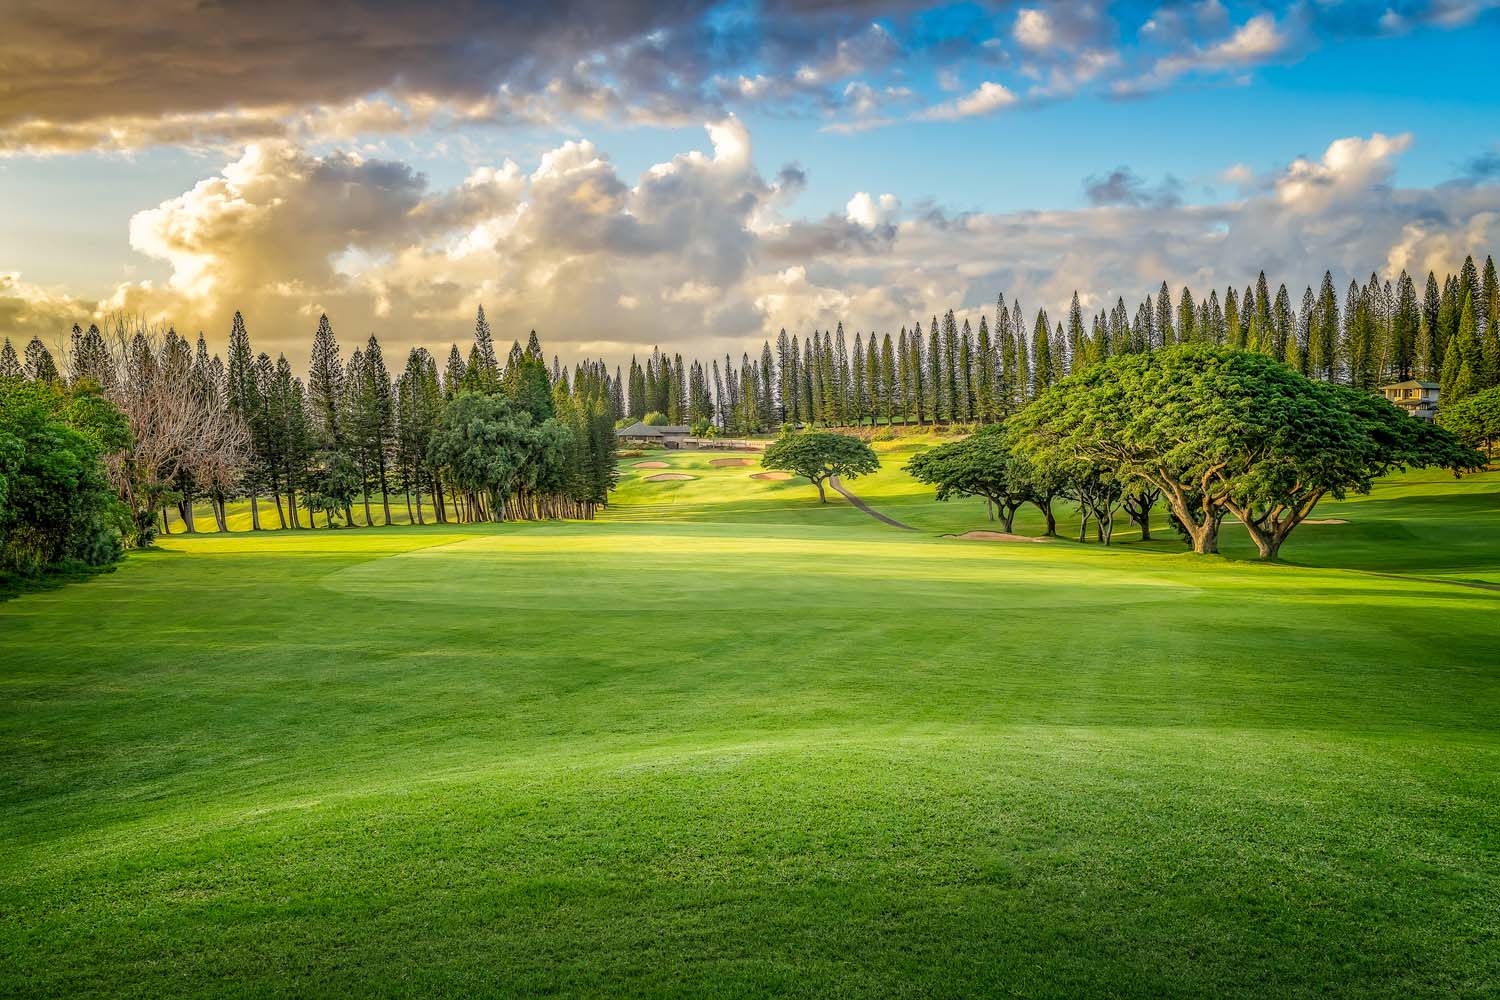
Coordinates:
(995, 536)
(1325, 520)
(668, 477)
(652, 465)
(730, 463)
(771, 475)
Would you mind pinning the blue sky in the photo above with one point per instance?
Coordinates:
(998, 111)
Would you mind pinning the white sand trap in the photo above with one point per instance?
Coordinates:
(730, 463)
(771, 475)
(995, 536)
(668, 477)
(1325, 520)
(652, 465)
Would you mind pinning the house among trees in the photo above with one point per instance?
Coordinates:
(1415, 396)
(670, 435)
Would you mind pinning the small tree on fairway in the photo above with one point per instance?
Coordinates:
(816, 455)
(330, 487)
(981, 465)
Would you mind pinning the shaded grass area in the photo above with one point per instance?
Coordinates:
(728, 741)
(50, 578)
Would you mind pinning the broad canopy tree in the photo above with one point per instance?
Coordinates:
(1221, 431)
(817, 455)
(984, 464)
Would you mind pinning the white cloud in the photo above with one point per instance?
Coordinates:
(864, 210)
(986, 99)
(1033, 29)
(1255, 40)
(1253, 43)
(1347, 168)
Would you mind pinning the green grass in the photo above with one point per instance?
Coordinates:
(727, 741)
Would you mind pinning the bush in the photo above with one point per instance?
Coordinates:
(654, 419)
(56, 506)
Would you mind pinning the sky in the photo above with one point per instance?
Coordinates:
(698, 176)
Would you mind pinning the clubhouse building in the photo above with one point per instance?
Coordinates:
(667, 435)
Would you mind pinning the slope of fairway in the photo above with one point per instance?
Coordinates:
(728, 741)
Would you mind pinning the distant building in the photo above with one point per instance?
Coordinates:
(670, 435)
(1416, 397)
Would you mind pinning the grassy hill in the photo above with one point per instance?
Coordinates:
(727, 741)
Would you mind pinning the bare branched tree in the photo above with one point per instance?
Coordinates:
(184, 441)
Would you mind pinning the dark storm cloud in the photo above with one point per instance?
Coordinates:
(79, 75)
(1485, 165)
(1122, 187)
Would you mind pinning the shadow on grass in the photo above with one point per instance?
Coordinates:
(14, 585)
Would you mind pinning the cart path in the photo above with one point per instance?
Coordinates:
(856, 501)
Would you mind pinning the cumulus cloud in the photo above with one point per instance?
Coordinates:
(698, 254)
(870, 212)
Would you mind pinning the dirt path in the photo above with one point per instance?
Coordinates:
(856, 501)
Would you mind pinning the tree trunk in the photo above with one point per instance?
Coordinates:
(419, 503)
(291, 502)
(254, 511)
(822, 497)
(364, 489)
(185, 509)
(280, 515)
(166, 523)
(1008, 516)
(385, 494)
(1045, 506)
(1205, 536)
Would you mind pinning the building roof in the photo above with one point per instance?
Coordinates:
(1411, 383)
(639, 429)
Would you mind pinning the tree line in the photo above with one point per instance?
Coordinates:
(952, 372)
(482, 440)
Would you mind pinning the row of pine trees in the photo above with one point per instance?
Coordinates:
(352, 435)
(950, 372)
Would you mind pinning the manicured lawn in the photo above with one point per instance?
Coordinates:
(726, 741)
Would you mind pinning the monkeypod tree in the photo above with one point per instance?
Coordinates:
(1138, 503)
(981, 465)
(816, 455)
(1221, 431)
